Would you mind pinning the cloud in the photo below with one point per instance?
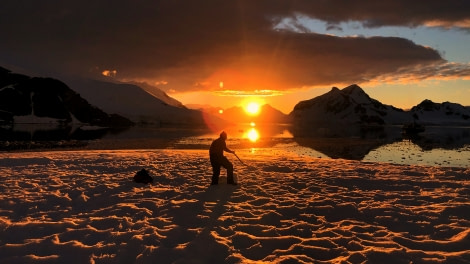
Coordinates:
(435, 71)
(452, 13)
(462, 24)
(109, 73)
(255, 93)
(195, 45)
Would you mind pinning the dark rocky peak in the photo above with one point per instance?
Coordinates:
(3, 71)
(336, 99)
(352, 89)
(427, 105)
(357, 94)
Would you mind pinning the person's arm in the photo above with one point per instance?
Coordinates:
(227, 149)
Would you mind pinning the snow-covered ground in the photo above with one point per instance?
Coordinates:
(83, 207)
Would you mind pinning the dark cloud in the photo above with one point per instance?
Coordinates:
(195, 44)
(390, 12)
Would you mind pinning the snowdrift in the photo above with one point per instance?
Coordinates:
(83, 207)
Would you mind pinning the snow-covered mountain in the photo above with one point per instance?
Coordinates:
(428, 112)
(137, 104)
(25, 99)
(158, 93)
(350, 105)
(34, 100)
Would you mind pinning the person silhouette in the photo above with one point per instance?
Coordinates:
(217, 158)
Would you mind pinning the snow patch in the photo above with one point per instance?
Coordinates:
(83, 207)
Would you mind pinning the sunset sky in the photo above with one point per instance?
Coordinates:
(226, 53)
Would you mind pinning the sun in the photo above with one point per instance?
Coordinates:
(253, 108)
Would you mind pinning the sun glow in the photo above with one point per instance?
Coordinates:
(252, 134)
(253, 108)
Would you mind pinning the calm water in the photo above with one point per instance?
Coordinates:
(437, 146)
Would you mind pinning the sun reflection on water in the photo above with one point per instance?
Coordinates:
(252, 134)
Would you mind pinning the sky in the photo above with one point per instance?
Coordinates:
(225, 53)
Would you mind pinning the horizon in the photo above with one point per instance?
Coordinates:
(236, 52)
(243, 105)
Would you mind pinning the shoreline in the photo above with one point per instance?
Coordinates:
(373, 157)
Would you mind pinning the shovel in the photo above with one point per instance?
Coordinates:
(250, 167)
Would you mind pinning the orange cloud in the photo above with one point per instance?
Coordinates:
(435, 71)
(255, 93)
(109, 73)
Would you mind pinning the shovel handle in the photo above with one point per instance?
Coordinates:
(239, 158)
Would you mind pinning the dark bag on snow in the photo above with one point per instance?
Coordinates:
(143, 176)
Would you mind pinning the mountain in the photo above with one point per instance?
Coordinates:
(350, 105)
(430, 113)
(25, 99)
(205, 108)
(270, 114)
(158, 93)
(237, 114)
(138, 105)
